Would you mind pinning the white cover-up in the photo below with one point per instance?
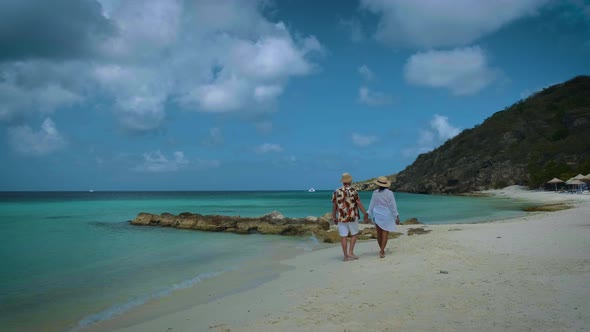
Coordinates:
(383, 209)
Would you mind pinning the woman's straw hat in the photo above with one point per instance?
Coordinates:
(382, 182)
(346, 178)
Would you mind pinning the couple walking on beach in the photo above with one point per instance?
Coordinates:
(345, 213)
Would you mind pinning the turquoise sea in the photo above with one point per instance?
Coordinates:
(71, 259)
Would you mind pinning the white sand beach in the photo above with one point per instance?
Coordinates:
(526, 274)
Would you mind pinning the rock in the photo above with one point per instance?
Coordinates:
(327, 218)
(331, 236)
(274, 215)
(371, 233)
(443, 272)
(548, 207)
(411, 221)
(271, 223)
(143, 219)
(417, 231)
(367, 233)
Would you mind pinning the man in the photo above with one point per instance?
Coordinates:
(345, 213)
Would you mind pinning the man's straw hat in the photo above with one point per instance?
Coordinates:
(346, 178)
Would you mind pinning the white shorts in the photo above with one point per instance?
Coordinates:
(345, 227)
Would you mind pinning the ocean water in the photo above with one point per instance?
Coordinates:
(71, 259)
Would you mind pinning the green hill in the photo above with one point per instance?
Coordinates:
(545, 136)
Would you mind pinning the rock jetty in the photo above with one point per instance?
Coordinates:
(271, 223)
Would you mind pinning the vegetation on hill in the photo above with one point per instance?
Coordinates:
(545, 136)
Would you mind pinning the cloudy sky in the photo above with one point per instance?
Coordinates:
(261, 94)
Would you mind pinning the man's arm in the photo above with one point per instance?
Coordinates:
(334, 207)
(362, 207)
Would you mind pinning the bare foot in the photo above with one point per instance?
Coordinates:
(351, 256)
(346, 258)
(381, 254)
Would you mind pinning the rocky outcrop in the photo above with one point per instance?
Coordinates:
(272, 223)
(418, 231)
(411, 221)
(367, 233)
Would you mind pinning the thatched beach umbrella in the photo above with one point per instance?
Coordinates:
(582, 178)
(574, 182)
(555, 181)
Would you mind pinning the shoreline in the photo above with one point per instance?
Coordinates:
(514, 274)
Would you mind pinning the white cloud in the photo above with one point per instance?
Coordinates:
(366, 73)
(374, 98)
(16, 101)
(248, 73)
(426, 138)
(440, 130)
(52, 97)
(268, 147)
(267, 92)
(464, 71)
(270, 58)
(138, 94)
(43, 142)
(362, 141)
(207, 56)
(444, 130)
(156, 162)
(224, 96)
(444, 23)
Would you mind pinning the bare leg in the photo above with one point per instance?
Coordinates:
(344, 242)
(381, 235)
(352, 243)
(384, 241)
(379, 231)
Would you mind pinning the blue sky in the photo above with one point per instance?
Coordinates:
(261, 95)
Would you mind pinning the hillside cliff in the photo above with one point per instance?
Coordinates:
(545, 136)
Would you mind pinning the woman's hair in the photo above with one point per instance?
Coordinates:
(382, 188)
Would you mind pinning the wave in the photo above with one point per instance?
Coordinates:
(309, 243)
(121, 308)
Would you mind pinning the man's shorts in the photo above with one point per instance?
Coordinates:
(345, 227)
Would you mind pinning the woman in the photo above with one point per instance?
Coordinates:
(383, 211)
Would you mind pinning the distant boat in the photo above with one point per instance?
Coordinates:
(90, 191)
(311, 190)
